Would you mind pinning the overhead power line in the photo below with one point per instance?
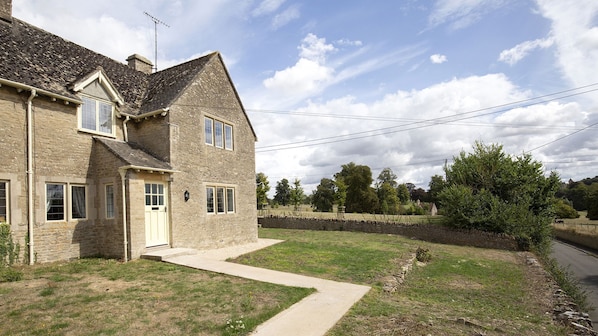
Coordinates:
(431, 122)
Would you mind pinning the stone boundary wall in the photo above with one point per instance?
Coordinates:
(585, 240)
(427, 232)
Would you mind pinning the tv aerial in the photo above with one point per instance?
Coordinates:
(156, 22)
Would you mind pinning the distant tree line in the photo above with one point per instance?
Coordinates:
(581, 195)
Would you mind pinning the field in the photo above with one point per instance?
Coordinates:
(581, 225)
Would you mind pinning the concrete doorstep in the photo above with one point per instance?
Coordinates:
(314, 315)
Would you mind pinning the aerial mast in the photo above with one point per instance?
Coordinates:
(156, 22)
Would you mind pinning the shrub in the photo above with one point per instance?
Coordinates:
(423, 255)
(562, 209)
(9, 251)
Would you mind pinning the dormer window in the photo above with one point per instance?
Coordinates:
(97, 116)
(99, 100)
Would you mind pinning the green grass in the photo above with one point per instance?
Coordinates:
(105, 297)
(460, 291)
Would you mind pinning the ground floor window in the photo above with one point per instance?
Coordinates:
(55, 202)
(3, 201)
(57, 207)
(109, 201)
(220, 200)
(78, 202)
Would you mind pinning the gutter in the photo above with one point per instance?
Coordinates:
(163, 112)
(123, 174)
(30, 210)
(38, 91)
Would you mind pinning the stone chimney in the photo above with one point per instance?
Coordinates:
(6, 10)
(138, 62)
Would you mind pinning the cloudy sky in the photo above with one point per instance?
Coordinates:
(399, 84)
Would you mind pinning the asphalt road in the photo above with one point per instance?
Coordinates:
(584, 266)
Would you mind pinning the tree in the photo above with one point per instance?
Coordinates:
(340, 195)
(261, 189)
(388, 198)
(323, 196)
(283, 192)
(361, 197)
(562, 209)
(592, 202)
(297, 194)
(437, 183)
(577, 193)
(387, 176)
(403, 193)
(492, 191)
(419, 194)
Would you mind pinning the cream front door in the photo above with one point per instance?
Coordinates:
(156, 216)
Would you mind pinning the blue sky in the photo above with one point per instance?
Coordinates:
(399, 84)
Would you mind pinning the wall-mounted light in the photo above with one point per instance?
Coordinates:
(186, 195)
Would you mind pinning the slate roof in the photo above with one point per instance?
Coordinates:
(34, 57)
(133, 155)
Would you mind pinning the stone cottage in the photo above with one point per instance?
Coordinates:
(102, 158)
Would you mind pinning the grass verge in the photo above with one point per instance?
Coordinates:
(105, 297)
(460, 291)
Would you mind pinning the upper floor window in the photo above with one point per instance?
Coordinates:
(218, 133)
(97, 116)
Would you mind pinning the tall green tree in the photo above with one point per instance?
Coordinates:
(403, 193)
(361, 196)
(261, 189)
(492, 191)
(592, 202)
(387, 176)
(297, 194)
(323, 196)
(388, 199)
(283, 192)
(437, 183)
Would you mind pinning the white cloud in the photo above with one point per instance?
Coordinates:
(302, 78)
(575, 37)
(288, 15)
(267, 7)
(314, 48)
(438, 58)
(520, 51)
(460, 14)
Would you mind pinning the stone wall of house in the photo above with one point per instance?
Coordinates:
(199, 165)
(152, 135)
(62, 154)
(428, 232)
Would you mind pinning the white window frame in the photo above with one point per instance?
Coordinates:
(6, 199)
(50, 200)
(218, 133)
(228, 133)
(209, 131)
(73, 203)
(211, 204)
(220, 203)
(97, 111)
(109, 212)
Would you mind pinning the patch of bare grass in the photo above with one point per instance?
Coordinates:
(104, 297)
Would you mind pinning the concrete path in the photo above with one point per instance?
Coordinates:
(314, 315)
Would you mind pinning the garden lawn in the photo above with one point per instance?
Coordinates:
(461, 291)
(105, 297)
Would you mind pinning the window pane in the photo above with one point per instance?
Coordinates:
(210, 199)
(105, 118)
(230, 200)
(54, 202)
(218, 126)
(3, 203)
(148, 200)
(208, 131)
(78, 208)
(148, 188)
(154, 188)
(88, 114)
(228, 137)
(160, 200)
(109, 201)
(220, 199)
